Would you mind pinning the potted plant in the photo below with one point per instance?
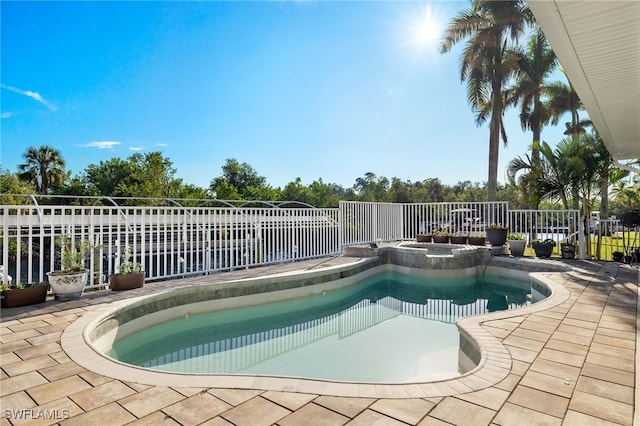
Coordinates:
(423, 238)
(568, 250)
(440, 237)
(23, 294)
(497, 234)
(68, 283)
(477, 240)
(617, 256)
(130, 274)
(458, 239)
(543, 248)
(517, 243)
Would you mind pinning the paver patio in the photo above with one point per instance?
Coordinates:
(573, 364)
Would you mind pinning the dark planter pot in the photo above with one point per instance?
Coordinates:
(477, 241)
(423, 238)
(24, 296)
(497, 236)
(543, 250)
(456, 239)
(119, 282)
(617, 256)
(441, 239)
(568, 252)
(517, 247)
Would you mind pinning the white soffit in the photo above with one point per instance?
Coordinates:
(598, 45)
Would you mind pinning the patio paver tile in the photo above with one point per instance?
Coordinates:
(540, 401)
(21, 382)
(196, 409)
(574, 418)
(605, 360)
(567, 347)
(289, 400)
(115, 414)
(100, 395)
(562, 357)
(60, 371)
(552, 384)
(57, 389)
(157, 418)
(33, 352)
(33, 364)
(608, 374)
(600, 407)
(605, 389)
(234, 396)
(349, 407)
(513, 414)
(256, 412)
(374, 418)
(406, 410)
(314, 414)
(491, 398)
(150, 400)
(555, 369)
(457, 411)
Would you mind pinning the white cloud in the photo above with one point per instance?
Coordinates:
(6, 115)
(136, 148)
(162, 144)
(33, 95)
(103, 144)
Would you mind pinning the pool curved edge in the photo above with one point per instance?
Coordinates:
(494, 365)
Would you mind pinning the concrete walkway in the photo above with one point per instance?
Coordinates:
(572, 364)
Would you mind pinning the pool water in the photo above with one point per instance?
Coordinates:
(386, 328)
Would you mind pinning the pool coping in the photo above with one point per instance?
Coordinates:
(495, 363)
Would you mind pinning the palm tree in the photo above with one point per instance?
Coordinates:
(43, 167)
(487, 63)
(563, 98)
(535, 65)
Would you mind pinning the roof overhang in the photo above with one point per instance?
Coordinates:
(598, 45)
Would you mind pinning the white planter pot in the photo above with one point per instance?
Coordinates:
(517, 247)
(68, 286)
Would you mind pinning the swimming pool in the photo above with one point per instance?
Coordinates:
(385, 328)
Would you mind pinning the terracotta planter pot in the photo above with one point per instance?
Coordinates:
(423, 238)
(24, 296)
(119, 282)
(68, 286)
(497, 236)
(456, 239)
(443, 239)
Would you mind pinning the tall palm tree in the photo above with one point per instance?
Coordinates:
(487, 63)
(535, 64)
(43, 167)
(563, 98)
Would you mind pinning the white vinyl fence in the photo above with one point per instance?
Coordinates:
(176, 241)
(168, 241)
(374, 222)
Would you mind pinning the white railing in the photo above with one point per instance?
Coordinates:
(168, 241)
(557, 225)
(175, 241)
(371, 222)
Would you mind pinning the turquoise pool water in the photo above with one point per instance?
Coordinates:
(386, 328)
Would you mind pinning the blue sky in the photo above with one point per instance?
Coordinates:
(305, 89)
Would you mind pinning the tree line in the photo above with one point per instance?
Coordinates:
(564, 177)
